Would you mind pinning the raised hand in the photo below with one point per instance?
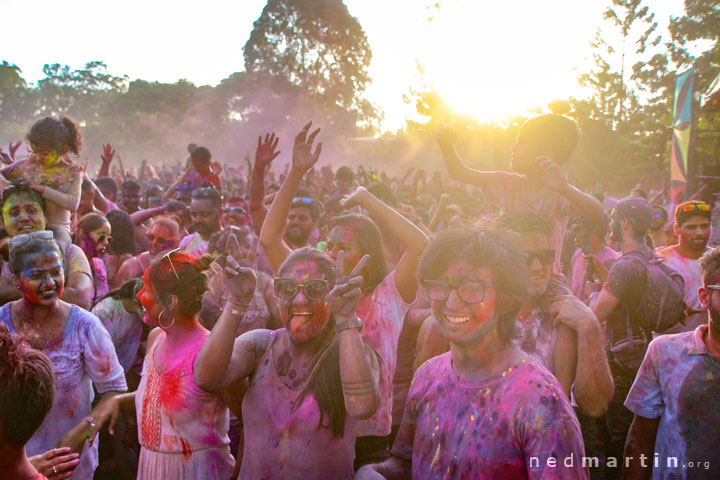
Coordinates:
(551, 174)
(265, 152)
(355, 198)
(5, 158)
(345, 297)
(239, 272)
(303, 158)
(108, 153)
(446, 136)
(14, 148)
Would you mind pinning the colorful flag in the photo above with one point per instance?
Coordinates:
(682, 124)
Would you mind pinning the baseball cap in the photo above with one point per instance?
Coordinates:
(637, 210)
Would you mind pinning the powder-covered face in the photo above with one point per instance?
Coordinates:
(41, 281)
(22, 214)
(131, 200)
(539, 273)
(464, 323)
(205, 217)
(95, 243)
(344, 238)
(45, 154)
(160, 239)
(304, 319)
(149, 301)
(694, 233)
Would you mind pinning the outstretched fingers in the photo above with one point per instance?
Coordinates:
(340, 264)
(360, 266)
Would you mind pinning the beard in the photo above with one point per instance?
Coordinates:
(297, 235)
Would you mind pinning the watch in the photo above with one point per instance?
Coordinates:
(348, 324)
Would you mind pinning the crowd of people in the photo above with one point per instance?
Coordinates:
(210, 321)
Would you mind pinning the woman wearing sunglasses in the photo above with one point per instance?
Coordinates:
(310, 382)
(387, 293)
(93, 236)
(162, 236)
(79, 348)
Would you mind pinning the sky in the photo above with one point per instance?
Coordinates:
(487, 59)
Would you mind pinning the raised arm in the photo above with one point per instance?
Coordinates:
(223, 360)
(457, 170)
(264, 154)
(107, 158)
(71, 199)
(359, 366)
(410, 236)
(271, 234)
(142, 216)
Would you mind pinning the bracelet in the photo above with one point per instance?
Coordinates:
(90, 420)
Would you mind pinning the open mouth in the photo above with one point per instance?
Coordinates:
(457, 320)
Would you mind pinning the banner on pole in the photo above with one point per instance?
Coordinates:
(682, 124)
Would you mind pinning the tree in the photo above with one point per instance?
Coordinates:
(317, 50)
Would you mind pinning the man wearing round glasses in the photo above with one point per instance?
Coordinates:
(692, 226)
(485, 409)
(675, 396)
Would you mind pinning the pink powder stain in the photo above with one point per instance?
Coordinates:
(171, 394)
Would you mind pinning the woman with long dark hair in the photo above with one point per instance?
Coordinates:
(93, 236)
(310, 382)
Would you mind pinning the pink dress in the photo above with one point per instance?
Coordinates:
(284, 442)
(182, 429)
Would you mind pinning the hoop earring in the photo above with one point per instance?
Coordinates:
(161, 324)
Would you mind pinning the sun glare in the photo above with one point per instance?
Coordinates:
(495, 59)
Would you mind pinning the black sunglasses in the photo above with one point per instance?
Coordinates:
(546, 257)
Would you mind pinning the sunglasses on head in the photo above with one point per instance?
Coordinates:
(287, 288)
(167, 255)
(704, 207)
(545, 257)
(20, 240)
(154, 238)
(304, 200)
(206, 192)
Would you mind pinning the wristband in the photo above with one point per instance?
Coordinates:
(348, 324)
(90, 420)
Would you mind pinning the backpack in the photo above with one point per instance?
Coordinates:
(660, 307)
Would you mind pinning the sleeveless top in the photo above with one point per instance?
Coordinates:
(282, 441)
(176, 417)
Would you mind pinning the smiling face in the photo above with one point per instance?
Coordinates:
(41, 281)
(464, 323)
(304, 319)
(22, 214)
(534, 243)
(95, 243)
(160, 239)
